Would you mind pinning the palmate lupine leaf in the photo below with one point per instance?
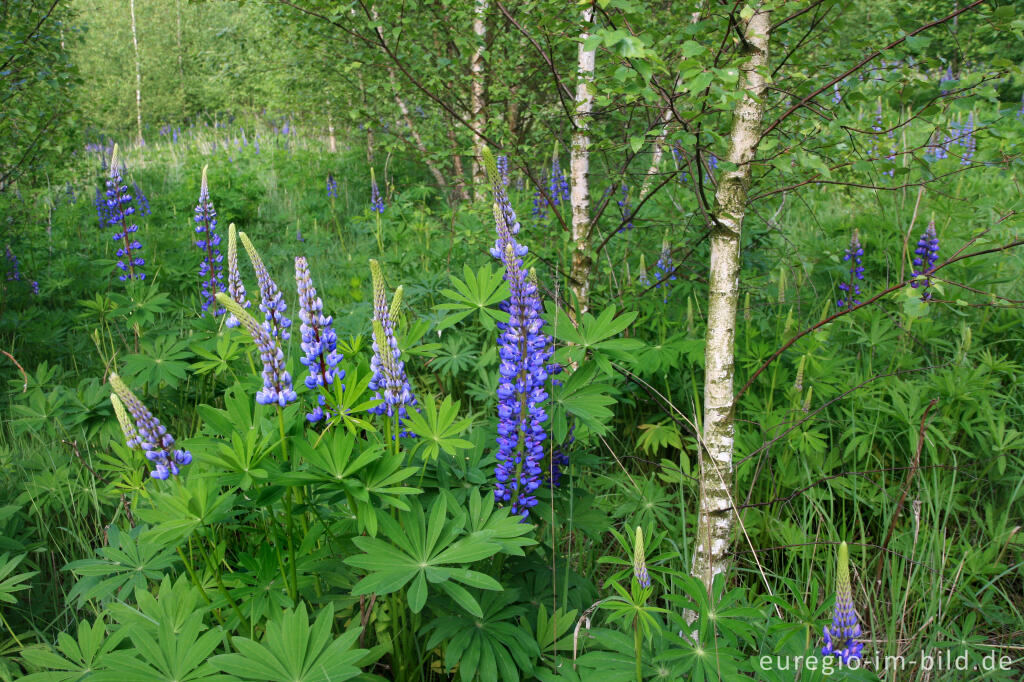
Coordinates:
(419, 546)
(478, 292)
(9, 584)
(438, 427)
(74, 659)
(581, 397)
(293, 650)
(162, 362)
(128, 561)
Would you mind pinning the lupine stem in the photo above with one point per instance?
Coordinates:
(293, 581)
(637, 642)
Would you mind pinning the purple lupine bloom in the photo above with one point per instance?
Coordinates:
(840, 638)
(626, 209)
(524, 350)
(142, 201)
(558, 189)
(877, 128)
(13, 272)
(970, 144)
(152, 435)
(503, 169)
(332, 186)
(389, 382)
(120, 208)
(319, 341)
(925, 256)
(854, 255)
(235, 286)
(540, 206)
(271, 300)
(666, 268)
(131, 435)
(945, 79)
(102, 212)
(560, 458)
(837, 96)
(277, 382)
(376, 200)
(211, 272)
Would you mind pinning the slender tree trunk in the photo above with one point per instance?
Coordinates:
(424, 152)
(332, 141)
(716, 513)
(512, 115)
(460, 177)
(477, 100)
(579, 167)
(181, 59)
(138, 73)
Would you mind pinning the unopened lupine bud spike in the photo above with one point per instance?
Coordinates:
(235, 286)
(640, 560)
(396, 304)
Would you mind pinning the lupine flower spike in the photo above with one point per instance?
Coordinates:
(271, 300)
(503, 169)
(524, 351)
(642, 276)
(277, 382)
(558, 190)
(925, 256)
(149, 434)
(666, 269)
(332, 186)
(854, 255)
(131, 434)
(211, 271)
(319, 341)
(839, 639)
(640, 560)
(376, 200)
(389, 378)
(119, 211)
(235, 286)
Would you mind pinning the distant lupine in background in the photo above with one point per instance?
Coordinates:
(925, 256)
(120, 208)
(877, 128)
(970, 144)
(640, 560)
(211, 272)
(642, 276)
(141, 200)
(376, 200)
(13, 269)
(945, 80)
(524, 351)
(839, 639)
(558, 188)
(540, 206)
(235, 286)
(627, 210)
(332, 186)
(854, 255)
(891, 135)
(102, 212)
(837, 96)
(277, 382)
(666, 269)
(503, 169)
(389, 379)
(271, 300)
(319, 341)
(152, 435)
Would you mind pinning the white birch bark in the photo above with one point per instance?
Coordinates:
(715, 519)
(476, 102)
(579, 168)
(420, 146)
(138, 74)
(332, 141)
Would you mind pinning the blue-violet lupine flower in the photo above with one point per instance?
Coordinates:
(211, 272)
(332, 186)
(666, 269)
(640, 560)
(558, 189)
(627, 210)
(540, 206)
(235, 286)
(142, 201)
(840, 638)
(376, 200)
(854, 255)
(119, 210)
(925, 256)
(319, 341)
(389, 381)
(277, 382)
(969, 142)
(13, 272)
(152, 436)
(503, 169)
(560, 456)
(102, 213)
(837, 96)
(524, 351)
(271, 300)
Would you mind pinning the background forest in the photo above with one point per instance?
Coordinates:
(491, 340)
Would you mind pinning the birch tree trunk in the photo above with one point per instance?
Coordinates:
(476, 104)
(715, 519)
(579, 168)
(138, 74)
(332, 142)
(420, 146)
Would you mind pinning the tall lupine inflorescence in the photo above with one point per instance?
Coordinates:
(119, 211)
(854, 255)
(640, 560)
(627, 210)
(211, 272)
(970, 144)
(524, 350)
(839, 638)
(13, 271)
(149, 434)
(558, 189)
(235, 286)
(271, 300)
(389, 380)
(277, 382)
(925, 256)
(503, 169)
(666, 269)
(376, 200)
(319, 341)
(332, 186)
(540, 206)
